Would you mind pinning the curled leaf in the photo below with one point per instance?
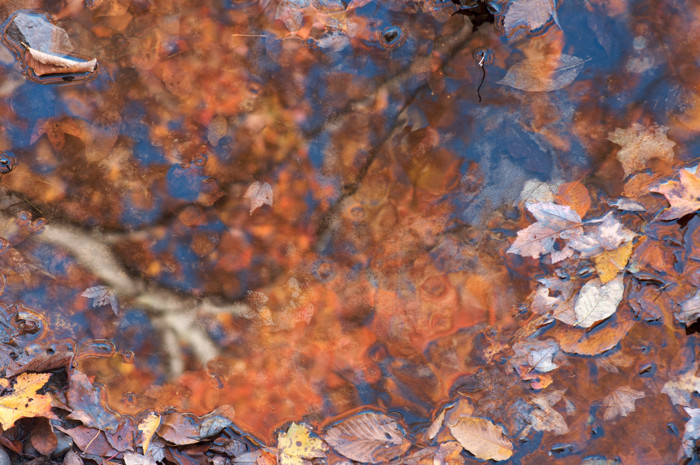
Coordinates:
(546, 74)
(43, 63)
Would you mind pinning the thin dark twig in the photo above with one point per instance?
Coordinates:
(482, 65)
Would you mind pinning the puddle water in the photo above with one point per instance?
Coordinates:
(299, 208)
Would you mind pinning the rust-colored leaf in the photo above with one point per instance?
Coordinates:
(575, 195)
(641, 144)
(42, 436)
(602, 338)
(88, 404)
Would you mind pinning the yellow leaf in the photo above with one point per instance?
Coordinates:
(24, 401)
(148, 427)
(611, 262)
(482, 438)
(296, 446)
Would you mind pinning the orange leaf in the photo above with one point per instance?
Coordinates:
(24, 401)
(575, 195)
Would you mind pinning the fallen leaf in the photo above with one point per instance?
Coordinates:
(603, 234)
(258, 194)
(88, 404)
(182, 429)
(132, 458)
(525, 16)
(546, 74)
(43, 63)
(297, 447)
(23, 400)
(42, 436)
(627, 205)
(147, 427)
(553, 222)
(369, 437)
(692, 431)
(597, 301)
(482, 438)
(601, 339)
(535, 355)
(690, 310)
(102, 295)
(621, 402)
(610, 263)
(684, 196)
(544, 418)
(448, 414)
(682, 389)
(71, 458)
(575, 195)
(640, 144)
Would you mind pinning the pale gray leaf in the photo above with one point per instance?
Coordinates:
(598, 301)
(525, 16)
(546, 74)
(621, 402)
(692, 431)
(258, 194)
(690, 310)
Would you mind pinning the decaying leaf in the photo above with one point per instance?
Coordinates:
(692, 432)
(448, 414)
(131, 458)
(681, 389)
(482, 438)
(43, 63)
(610, 263)
(575, 195)
(546, 74)
(368, 437)
(640, 144)
(621, 402)
(102, 295)
(553, 222)
(598, 301)
(23, 401)
(535, 355)
(601, 339)
(544, 418)
(604, 234)
(525, 16)
(684, 196)
(147, 427)
(690, 310)
(297, 447)
(88, 404)
(258, 194)
(559, 306)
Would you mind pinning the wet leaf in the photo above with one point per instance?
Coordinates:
(605, 234)
(684, 196)
(482, 438)
(598, 301)
(611, 262)
(147, 427)
(535, 355)
(546, 74)
(258, 194)
(88, 405)
(72, 458)
(621, 402)
(682, 389)
(692, 431)
(553, 222)
(183, 429)
(559, 306)
(641, 144)
(575, 195)
(43, 63)
(297, 447)
(524, 16)
(43, 437)
(544, 418)
(102, 295)
(368, 437)
(601, 339)
(690, 310)
(132, 458)
(23, 400)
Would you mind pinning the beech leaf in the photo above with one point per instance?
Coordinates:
(482, 438)
(43, 63)
(621, 402)
(369, 437)
(147, 427)
(546, 74)
(544, 418)
(258, 194)
(598, 301)
(640, 144)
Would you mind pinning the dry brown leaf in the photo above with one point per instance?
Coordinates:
(43, 63)
(640, 144)
(482, 438)
(621, 402)
(611, 262)
(575, 195)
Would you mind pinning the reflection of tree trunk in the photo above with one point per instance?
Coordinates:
(175, 315)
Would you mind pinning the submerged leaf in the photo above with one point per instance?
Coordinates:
(482, 438)
(524, 16)
(640, 144)
(692, 431)
(102, 295)
(368, 437)
(681, 389)
(690, 310)
(546, 74)
(684, 196)
(621, 402)
(611, 262)
(598, 301)
(258, 194)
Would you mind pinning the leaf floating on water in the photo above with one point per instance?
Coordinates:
(258, 194)
(640, 144)
(692, 431)
(598, 301)
(684, 196)
(525, 16)
(546, 74)
(553, 222)
(297, 447)
(690, 310)
(43, 63)
(102, 295)
(682, 389)
(611, 262)
(621, 402)
(368, 437)
(482, 438)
